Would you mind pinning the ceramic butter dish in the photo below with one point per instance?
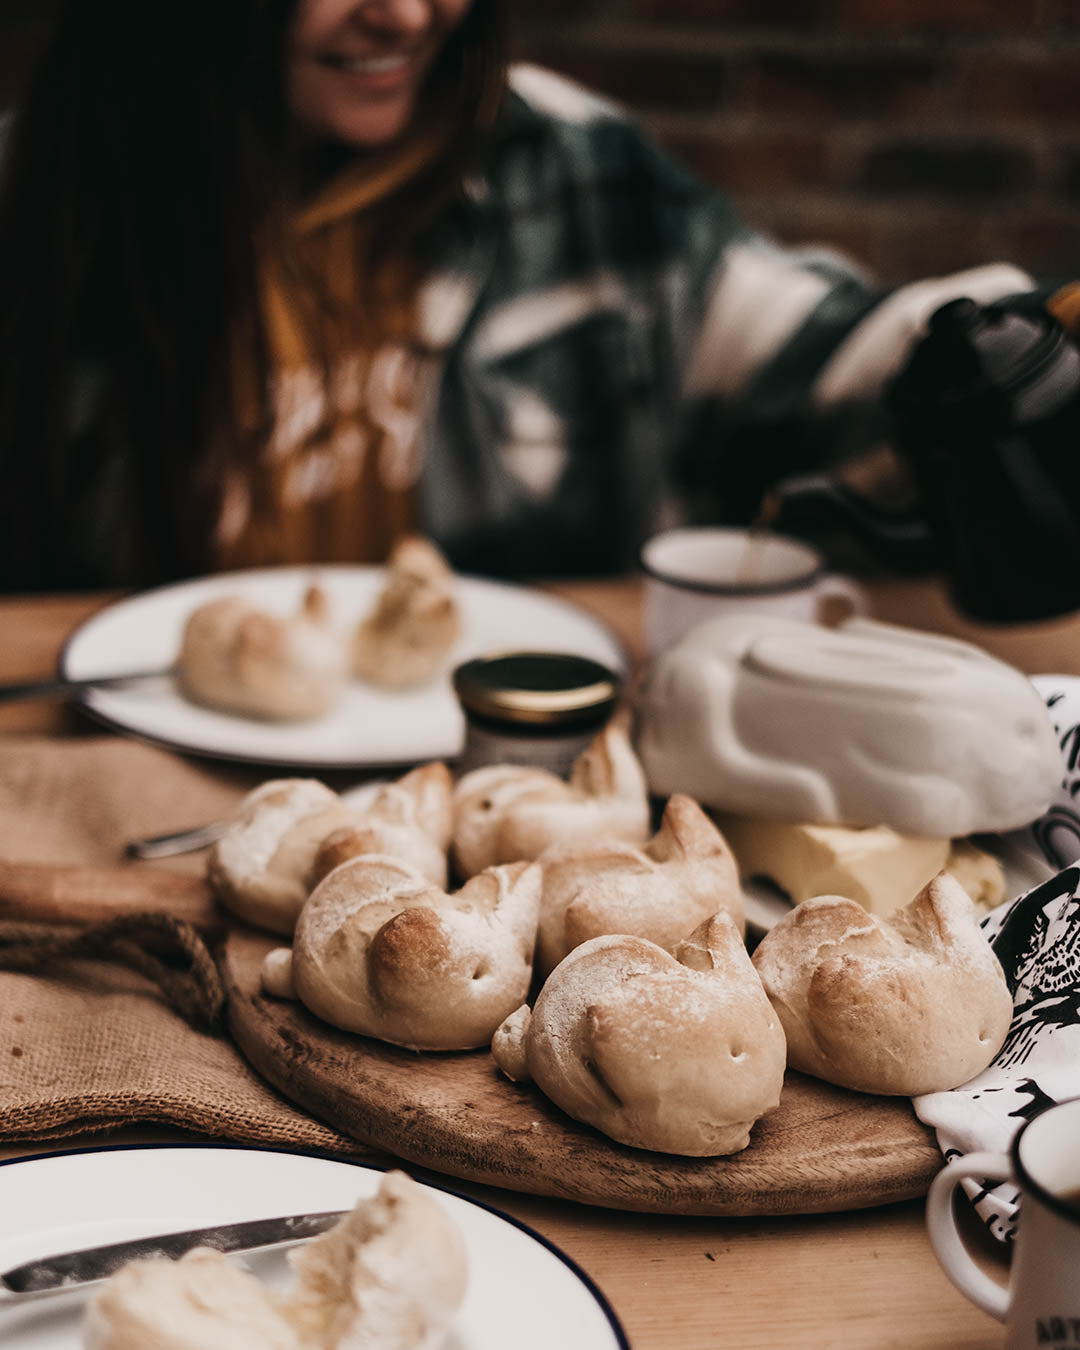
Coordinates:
(866, 724)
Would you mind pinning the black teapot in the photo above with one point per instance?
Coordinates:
(987, 414)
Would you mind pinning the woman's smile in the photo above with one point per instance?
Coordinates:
(356, 69)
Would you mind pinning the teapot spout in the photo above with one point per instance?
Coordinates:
(813, 504)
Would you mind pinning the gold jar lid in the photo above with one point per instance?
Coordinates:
(549, 689)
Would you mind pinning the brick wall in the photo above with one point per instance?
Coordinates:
(24, 25)
(919, 135)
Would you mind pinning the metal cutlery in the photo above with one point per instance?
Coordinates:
(180, 841)
(73, 1271)
(202, 836)
(60, 687)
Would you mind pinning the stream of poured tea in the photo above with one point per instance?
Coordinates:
(750, 569)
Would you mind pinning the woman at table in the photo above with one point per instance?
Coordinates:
(282, 279)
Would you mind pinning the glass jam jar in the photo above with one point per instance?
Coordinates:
(535, 708)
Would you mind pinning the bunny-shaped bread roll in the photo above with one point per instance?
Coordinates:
(239, 659)
(404, 641)
(508, 812)
(679, 1053)
(914, 1004)
(381, 951)
(409, 819)
(661, 891)
(259, 867)
(289, 833)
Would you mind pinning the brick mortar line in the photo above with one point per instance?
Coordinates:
(877, 209)
(646, 39)
(960, 131)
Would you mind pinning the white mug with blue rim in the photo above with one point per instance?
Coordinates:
(694, 573)
(1041, 1306)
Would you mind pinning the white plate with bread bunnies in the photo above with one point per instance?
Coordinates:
(70, 1201)
(369, 726)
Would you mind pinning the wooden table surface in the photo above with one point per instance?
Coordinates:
(863, 1279)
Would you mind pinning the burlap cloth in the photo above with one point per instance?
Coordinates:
(92, 1045)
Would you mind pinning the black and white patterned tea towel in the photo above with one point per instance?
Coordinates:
(1037, 940)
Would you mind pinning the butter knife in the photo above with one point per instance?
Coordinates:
(63, 687)
(76, 1270)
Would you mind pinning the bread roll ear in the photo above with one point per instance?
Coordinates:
(506, 813)
(422, 798)
(916, 1004)
(409, 819)
(608, 767)
(687, 832)
(716, 945)
(315, 606)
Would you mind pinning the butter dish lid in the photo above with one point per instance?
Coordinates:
(553, 689)
(865, 724)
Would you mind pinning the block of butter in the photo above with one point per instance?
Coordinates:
(978, 872)
(879, 868)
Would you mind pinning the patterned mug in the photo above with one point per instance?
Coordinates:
(1041, 1307)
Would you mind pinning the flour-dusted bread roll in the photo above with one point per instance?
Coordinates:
(392, 1274)
(508, 812)
(416, 620)
(914, 1004)
(259, 868)
(409, 819)
(678, 1053)
(381, 951)
(661, 891)
(241, 660)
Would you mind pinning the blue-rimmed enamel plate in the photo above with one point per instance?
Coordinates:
(370, 727)
(523, 1292)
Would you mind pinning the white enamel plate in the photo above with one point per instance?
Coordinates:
(522, 1291)
(370, 727)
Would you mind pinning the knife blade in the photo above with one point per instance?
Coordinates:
(63, 686)
(74, 1270)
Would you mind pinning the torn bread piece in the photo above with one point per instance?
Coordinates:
(391, 1274)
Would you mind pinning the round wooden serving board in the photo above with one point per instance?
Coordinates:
(822, 1149)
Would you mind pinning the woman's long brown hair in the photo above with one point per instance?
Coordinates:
(146, 160)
